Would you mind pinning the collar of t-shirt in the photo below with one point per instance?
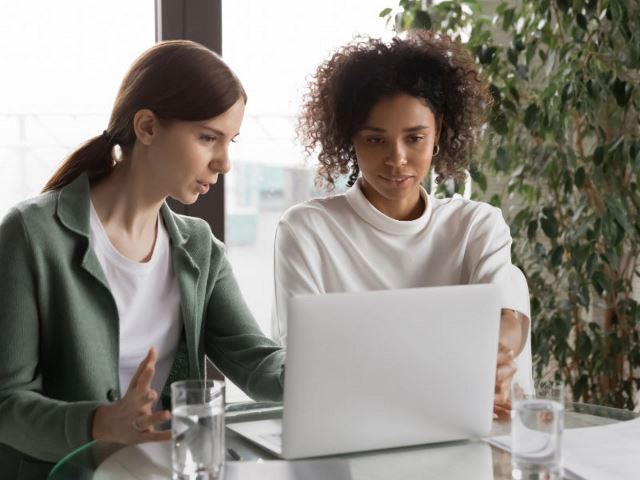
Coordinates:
(106, 248)
(379, 220)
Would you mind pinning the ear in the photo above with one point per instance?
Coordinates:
(145, 126)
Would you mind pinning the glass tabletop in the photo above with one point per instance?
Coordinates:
(99, 461)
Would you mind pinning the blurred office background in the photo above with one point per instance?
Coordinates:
(63, 62)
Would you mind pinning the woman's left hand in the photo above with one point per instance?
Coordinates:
(131, 420)
(505, 371)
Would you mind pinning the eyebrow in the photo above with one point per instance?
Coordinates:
(214, 130)
(410, 129)
(218, 132)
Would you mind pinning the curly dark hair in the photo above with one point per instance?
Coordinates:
(422, 64)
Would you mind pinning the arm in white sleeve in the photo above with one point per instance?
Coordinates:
(293, 275)
(488, 259)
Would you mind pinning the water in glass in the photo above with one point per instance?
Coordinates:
(197, 450)
(536, 435)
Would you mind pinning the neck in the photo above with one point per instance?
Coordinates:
(409, 207)
(126, 201)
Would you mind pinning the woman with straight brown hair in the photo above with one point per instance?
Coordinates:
(106, 295)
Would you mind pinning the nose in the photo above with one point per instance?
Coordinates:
(221, 163)
(396, 156)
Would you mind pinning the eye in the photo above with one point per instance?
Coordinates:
(235, 140)
(416, 138)
(374, 140)
(208, 138)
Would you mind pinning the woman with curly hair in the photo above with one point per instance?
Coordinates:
(385, 114)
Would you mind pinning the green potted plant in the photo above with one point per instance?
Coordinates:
(563, 141)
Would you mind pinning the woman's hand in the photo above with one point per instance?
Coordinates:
(505, 371)
(131, 420)
(513, 330)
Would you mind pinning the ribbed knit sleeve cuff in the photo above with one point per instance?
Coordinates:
(78, 423)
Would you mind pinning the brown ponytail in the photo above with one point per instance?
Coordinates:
(177, 80)
(94, 157)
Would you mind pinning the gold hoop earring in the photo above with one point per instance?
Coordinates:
(436, 151)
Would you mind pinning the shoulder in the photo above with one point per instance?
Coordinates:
(469, 212)
(191, 226)
(469, 219)
(43, 204)
(196, 240)
(30, 226)
(311, 222)
(198, 234)
(37, 212)
(315, 212)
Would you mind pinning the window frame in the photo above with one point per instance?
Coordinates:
(199, 21)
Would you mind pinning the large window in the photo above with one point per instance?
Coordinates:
(63, 63)
(273, 46)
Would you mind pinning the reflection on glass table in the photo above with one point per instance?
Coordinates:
(454, 460)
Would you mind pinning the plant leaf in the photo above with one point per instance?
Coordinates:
(580, 177)
(550, 226)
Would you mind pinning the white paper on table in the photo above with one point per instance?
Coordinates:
(607, 452)
(233, 394)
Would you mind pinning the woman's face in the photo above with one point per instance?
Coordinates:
(188, 156)
(394, 150)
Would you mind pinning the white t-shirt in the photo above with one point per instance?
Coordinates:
(148, 300)
(343, 243)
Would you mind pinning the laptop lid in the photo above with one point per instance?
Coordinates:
(390, 368)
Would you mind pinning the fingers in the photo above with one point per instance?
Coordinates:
(144, 380)
(504, 375)
(150, 359)
(502, 411)
(146, 397)
(153, 436)
(134, 379)
(505, 372)
(139, 399)
(131, 420)
(146, 423)
(501, 395)
(517, 392)
(504, 355)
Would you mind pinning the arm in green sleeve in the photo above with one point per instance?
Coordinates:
(30, 422)
(236, 344)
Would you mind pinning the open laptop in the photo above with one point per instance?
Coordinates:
(383, 369)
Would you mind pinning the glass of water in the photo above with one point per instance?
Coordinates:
(537, 421)
(197, 429)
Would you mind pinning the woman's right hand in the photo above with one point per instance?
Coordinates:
(131, 420)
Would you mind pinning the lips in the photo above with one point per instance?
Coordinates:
(396, 180)
(203, 187)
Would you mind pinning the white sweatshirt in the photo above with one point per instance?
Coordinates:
(343, 243)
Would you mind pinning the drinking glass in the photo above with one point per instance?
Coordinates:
(197, 429)
(537, 421)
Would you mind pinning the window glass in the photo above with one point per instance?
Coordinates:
(62, 66)
(273, 47)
